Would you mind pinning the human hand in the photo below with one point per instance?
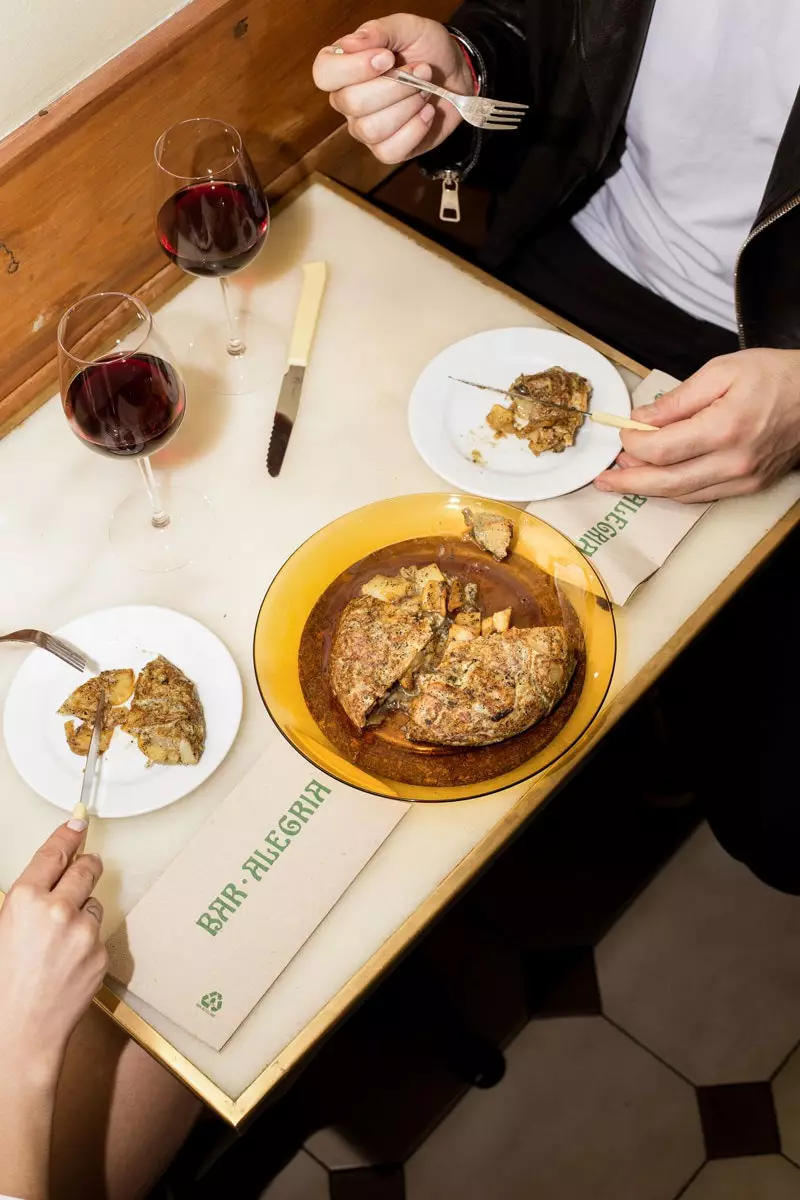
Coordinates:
(731, 429)
(394, 121)
(51, 959)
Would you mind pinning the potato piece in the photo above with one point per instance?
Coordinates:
(386, 587)
(471, 621)
(455, 596)
(459, 633)
(117, 686)
(179, 743)
(500, 419)
(487, 626)
(426, 575)
(501, 620)
(471, 597)
(434, 597)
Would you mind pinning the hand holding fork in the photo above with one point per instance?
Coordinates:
(384, 112)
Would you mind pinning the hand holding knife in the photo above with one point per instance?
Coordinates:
(314, 277)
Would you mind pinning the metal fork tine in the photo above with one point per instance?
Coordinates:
(510, 105)
(52, 644)
(64, 652)
(500, 124)
(74, 658)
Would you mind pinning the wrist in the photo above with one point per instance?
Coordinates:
(466, 75)
(471, 70)
(28, 1064)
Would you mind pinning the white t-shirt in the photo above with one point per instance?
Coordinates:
(716, 84)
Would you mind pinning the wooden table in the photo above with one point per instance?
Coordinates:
(350, 447)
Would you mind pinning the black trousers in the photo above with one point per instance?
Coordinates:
(741, 681)
(561, 271)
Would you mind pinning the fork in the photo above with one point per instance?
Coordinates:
(476, 110)
(48, 642)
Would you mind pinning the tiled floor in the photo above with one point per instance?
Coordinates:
(302, 1179)
(583, 1111)
(705, 968)
(686, 1084)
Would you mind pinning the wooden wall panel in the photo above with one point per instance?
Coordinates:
(75, 183)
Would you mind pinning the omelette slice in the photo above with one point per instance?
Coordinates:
(488, 688)
(166, 716)
(376, 644)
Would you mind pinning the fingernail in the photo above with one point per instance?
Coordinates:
(78, 826)
(602, 487)
(422, 71)
(427, 113)
(644, 408)
(335, 50)
(382, 61)
(360, 33)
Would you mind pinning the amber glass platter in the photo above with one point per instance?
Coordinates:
(546, 581)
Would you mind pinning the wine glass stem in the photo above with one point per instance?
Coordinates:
(160, 518)
(235, 344)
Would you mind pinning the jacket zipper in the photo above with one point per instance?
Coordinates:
(762, 225)
(449, 208)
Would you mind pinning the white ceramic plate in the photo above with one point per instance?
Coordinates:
(119, 637)
(448, 420)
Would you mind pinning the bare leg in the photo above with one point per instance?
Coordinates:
(120, 1117)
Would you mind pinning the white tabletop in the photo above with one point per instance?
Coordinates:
(391, 305)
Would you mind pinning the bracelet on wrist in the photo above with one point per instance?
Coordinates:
(476, 87)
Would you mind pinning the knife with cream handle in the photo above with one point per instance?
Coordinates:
(599, 418)
(305, 322)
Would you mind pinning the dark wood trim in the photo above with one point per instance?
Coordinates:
(75, 182)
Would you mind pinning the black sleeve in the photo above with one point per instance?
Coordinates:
(496, 28)
(494, 32)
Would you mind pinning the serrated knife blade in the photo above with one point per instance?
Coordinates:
(285, 414)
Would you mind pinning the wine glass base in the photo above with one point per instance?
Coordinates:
(258, 368)
(188, 536)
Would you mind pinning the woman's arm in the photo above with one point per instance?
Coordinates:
(51, 965)
(26, 1117)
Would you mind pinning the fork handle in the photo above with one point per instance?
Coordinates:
(421, 84)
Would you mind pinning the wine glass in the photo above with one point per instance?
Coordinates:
(212, 219)
(128, 401)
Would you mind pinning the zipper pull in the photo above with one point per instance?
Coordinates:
(450, 209)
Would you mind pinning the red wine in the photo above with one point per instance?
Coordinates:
(213, 228)
(129, 405)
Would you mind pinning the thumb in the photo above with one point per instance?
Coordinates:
(396, 33)
(688, 398)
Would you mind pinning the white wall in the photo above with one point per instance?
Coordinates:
(47, 46)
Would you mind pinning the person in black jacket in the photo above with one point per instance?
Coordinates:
(651, 196)
(658, 151)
